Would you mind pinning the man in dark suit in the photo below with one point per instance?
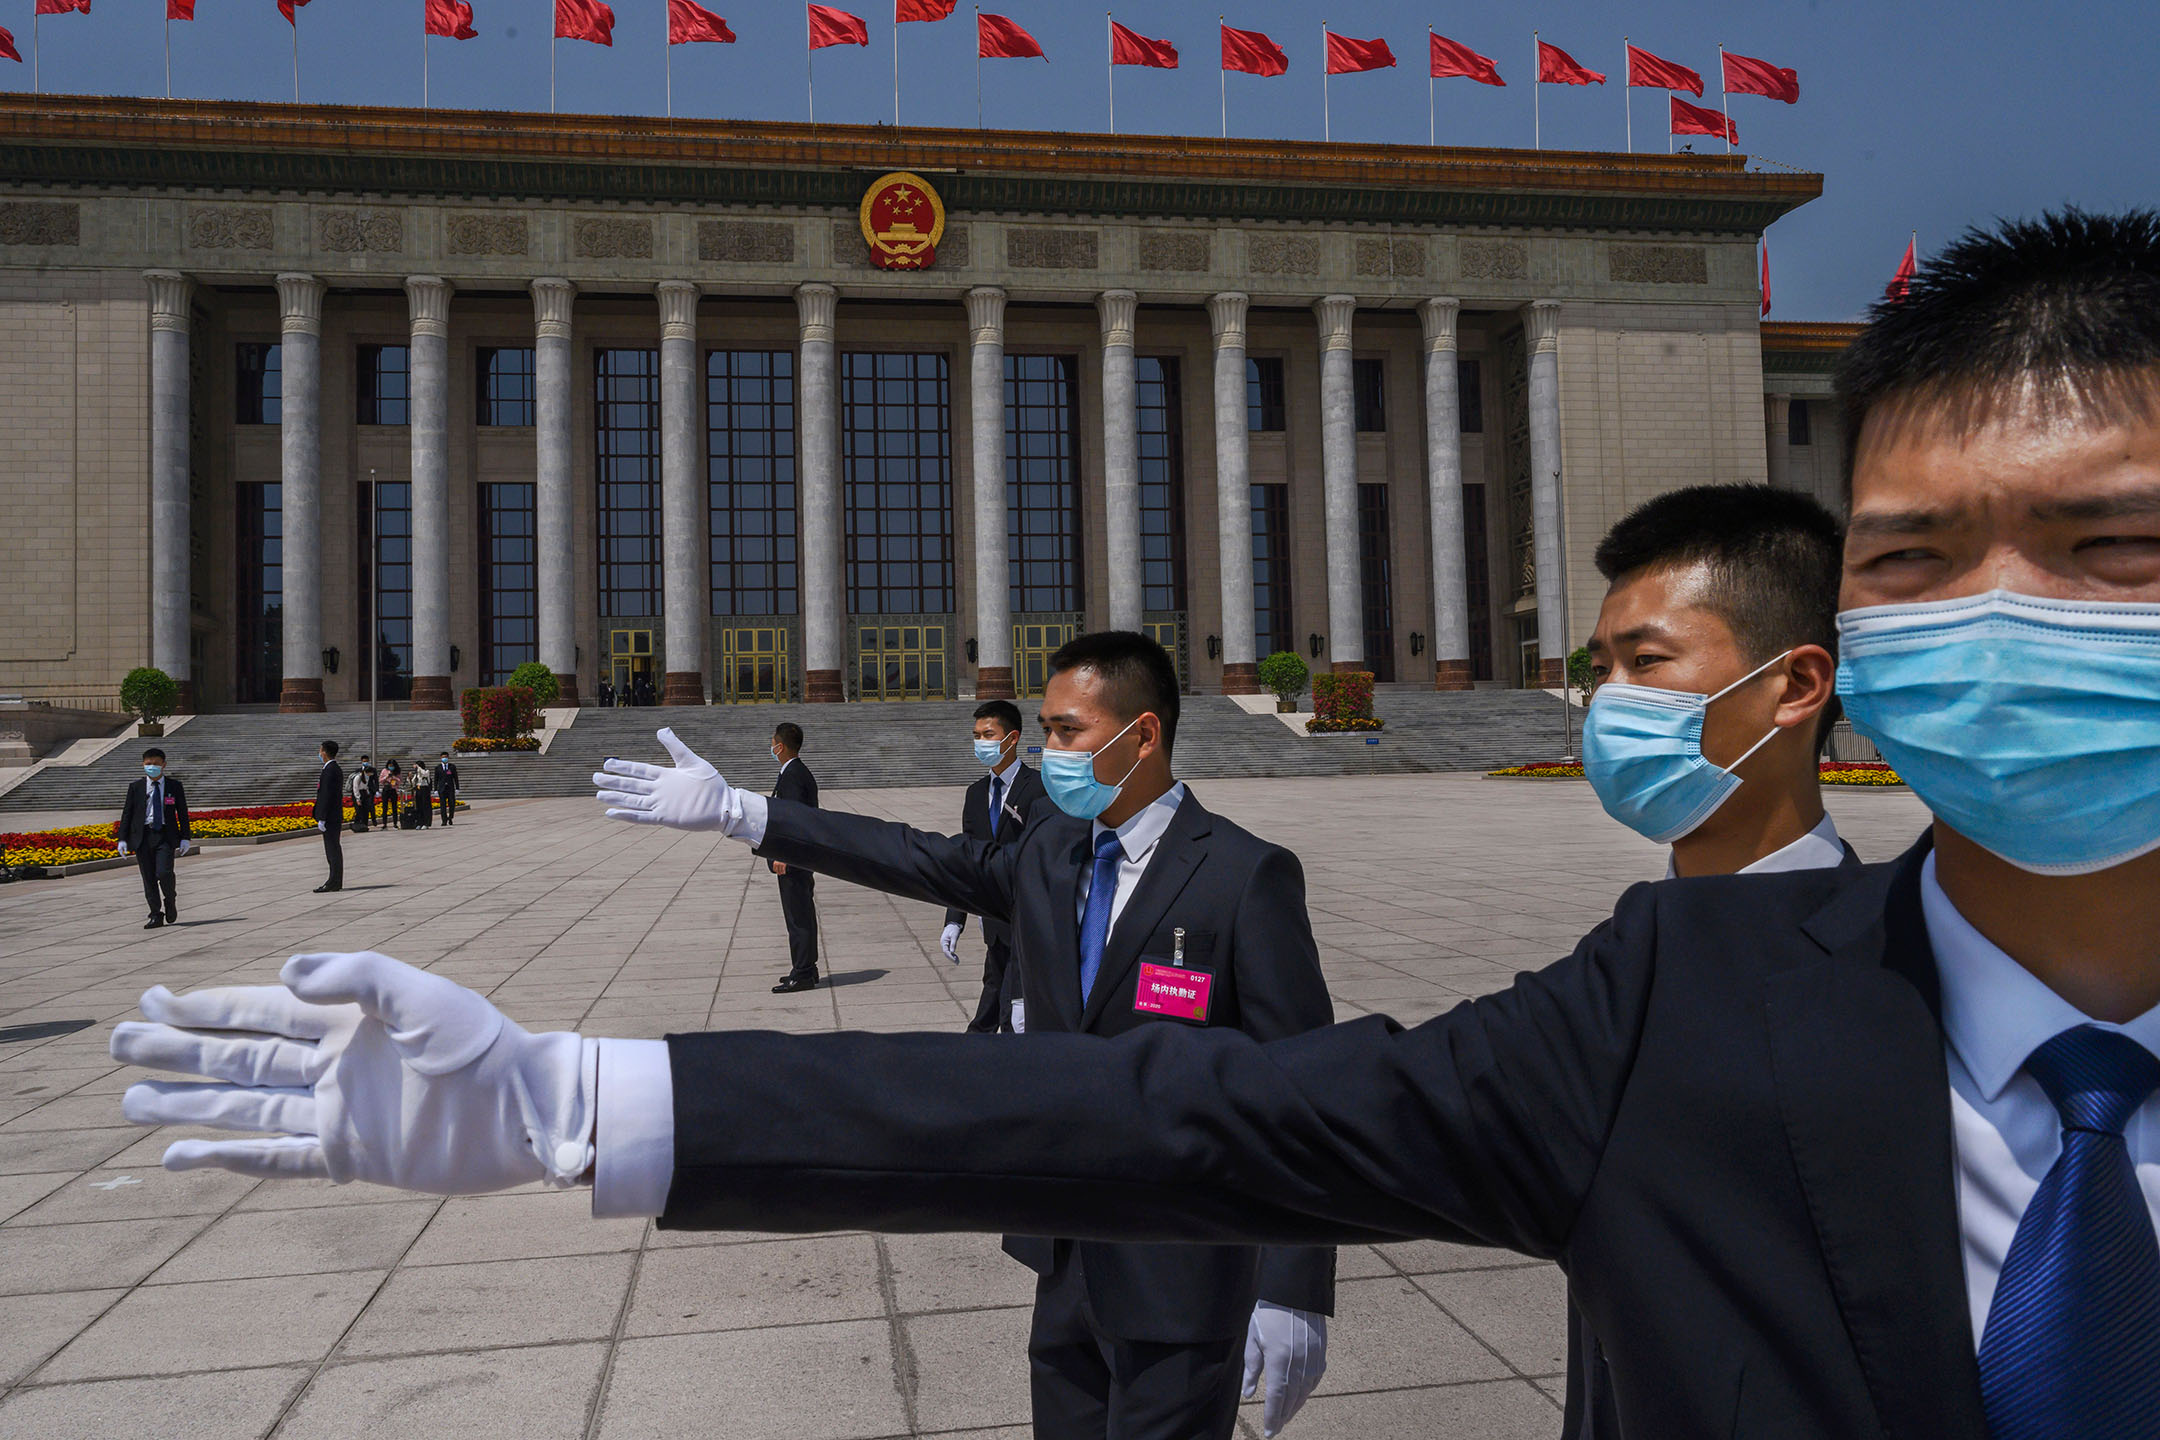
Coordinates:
(798, 886)
(154, 825)
(330, 816)
(994, 812)
(446, 787)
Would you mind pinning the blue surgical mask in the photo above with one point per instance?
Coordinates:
(153, 771)
(1068, 777)
(1642, 752)
(990, 753)
(2029, 726)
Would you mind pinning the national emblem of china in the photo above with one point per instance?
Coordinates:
(903, 220)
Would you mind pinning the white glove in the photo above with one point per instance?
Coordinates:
(185, 847)
(949, 942)
(1290, 1346)
(691, 796)
(120, 847)
(320, 826)
(364, 1068)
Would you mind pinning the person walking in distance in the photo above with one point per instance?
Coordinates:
(798, 900)
(330, 816)
(154, 825)
(995, 812)
(363, 783)
(446, 787)
(423, 794)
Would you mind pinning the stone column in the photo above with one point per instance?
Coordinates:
(818, 526)
(1777, 441)
(1121, 457)
(553, 302)
(429, 299)
(1443, 475)
(300, 299)
(685, 509)
(986, 394)
(171, 605)
(1338, 478)
(1233, 495)
(1541, 329)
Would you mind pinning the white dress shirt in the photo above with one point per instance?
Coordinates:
(1138, 838)
(2006, 1131)
(154, 804)
(1819, 849)
(1000, 794)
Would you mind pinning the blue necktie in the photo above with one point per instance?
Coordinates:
(997, 803)
(2072, 1346)
(1095, 923)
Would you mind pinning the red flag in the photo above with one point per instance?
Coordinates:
(1901, 283)
(450, 18)
(689, 23)
(1450, 59)
(585, 20)
(1759, 77)
(836, 27)
(1696, 120)
(286, 8)
(1556, 67)
(1251, 52)
(7, 46)
(1348, 57)
(1646, 71)
(997, 38)
(906, 10)
(1129, 47)
(179, 9)
(1766, 277)
(63, 7)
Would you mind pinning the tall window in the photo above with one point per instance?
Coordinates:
(1374, 575)
(896, 428)
(626, 415)
(385, 380)
(260, 612)
(1271, 569)
(505, 387)
(1470, 397)
(1042, 490)
(1368, 392)
(392, 577)
(1796, 424)
(259, 385)
(509, 580)
(1477, 583)
(1162, 486)
(1264, 393)
(750, 470)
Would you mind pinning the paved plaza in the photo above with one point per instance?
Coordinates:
(141, 1303)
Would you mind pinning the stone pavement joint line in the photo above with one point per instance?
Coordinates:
(145, 1302)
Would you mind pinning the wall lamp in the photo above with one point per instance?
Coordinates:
(457, 659)
(1315, 644)
(1417, 643)
(1214, 646)
(972, 650)
(330, 659)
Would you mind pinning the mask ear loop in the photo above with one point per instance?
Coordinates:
(1774, 731)
(1112, 741)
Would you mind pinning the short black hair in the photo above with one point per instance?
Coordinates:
(1004, 712)
(1135, 671)
(788, 733)
(329, 748)
(153, 751)
(2062, 311)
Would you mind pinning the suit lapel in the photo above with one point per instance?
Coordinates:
(1179, 852)
(1064, 927)
(1857, 1050)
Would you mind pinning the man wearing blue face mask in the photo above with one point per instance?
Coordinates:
(154, 826)
(1827, 1153)
(995, 811)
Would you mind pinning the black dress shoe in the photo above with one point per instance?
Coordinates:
(328, 889)
(172, 917)
(155, 922)
(792, 984)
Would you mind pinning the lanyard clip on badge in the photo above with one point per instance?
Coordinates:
(1177, 947)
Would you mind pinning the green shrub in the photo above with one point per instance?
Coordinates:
(150, 693)
(1579, 674)
(1285, 674)
(536, 677)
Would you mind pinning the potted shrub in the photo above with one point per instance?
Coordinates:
(498, 718)
(1580, 677)
(1342, 704)
(536, 677)
(152, 695)
(1285, 674)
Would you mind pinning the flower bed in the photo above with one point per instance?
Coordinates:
(1867, 773)
(73, 844)
(493, 744)
(1342, 704)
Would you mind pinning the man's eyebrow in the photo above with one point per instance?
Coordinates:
(1648, 630)
(2118, 505)
(1897, 522)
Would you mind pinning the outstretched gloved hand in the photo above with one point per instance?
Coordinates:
(1290, 1348)
(689, 796)
(361, 1067)
(949, 942)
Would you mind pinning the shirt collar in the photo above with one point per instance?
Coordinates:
(1994, 1010)
(1139, 833)
(1819, 849)
(1006, 772)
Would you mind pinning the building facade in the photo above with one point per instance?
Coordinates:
(302, 400)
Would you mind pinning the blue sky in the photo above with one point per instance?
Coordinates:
(1922, 115)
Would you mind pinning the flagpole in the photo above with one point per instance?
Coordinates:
(552, 38)
(1110, 70)
(1431, 125)
(37, 53)
(1222, 79)
(809, 64)
(1327, 125)
(423, 65)
(296, 55)
(168, 52)
(1668, 121)
(895, 64)
(1627, 93)
(1537, 93)
(978, 67)
(668, 50)
(1724, 96)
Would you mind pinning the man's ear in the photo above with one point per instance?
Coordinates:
(1810, 686)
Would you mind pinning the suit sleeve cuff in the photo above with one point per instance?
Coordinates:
(748, 825)
(635, 1161)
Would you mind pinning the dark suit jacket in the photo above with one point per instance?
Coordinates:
(795, 783)
(446, 778)
(1727, 1114)
(330, 796)
(1027, 788)
(1241, 902)
(131, 812)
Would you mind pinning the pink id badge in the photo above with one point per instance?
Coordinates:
(1169, 990)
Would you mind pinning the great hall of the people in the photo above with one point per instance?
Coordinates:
(729, 411)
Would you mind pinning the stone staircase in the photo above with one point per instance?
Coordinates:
(260, 759)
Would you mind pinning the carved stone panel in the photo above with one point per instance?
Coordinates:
(1282, 255)
(230, 227)
(852, 252)
(1040, 247)
(1658, 265)
(1495, 260)
(486, 235)
(40, 222)
(746, 242)
(614, 239)
(1390, 256)
(1187, 250)
(361, 232)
